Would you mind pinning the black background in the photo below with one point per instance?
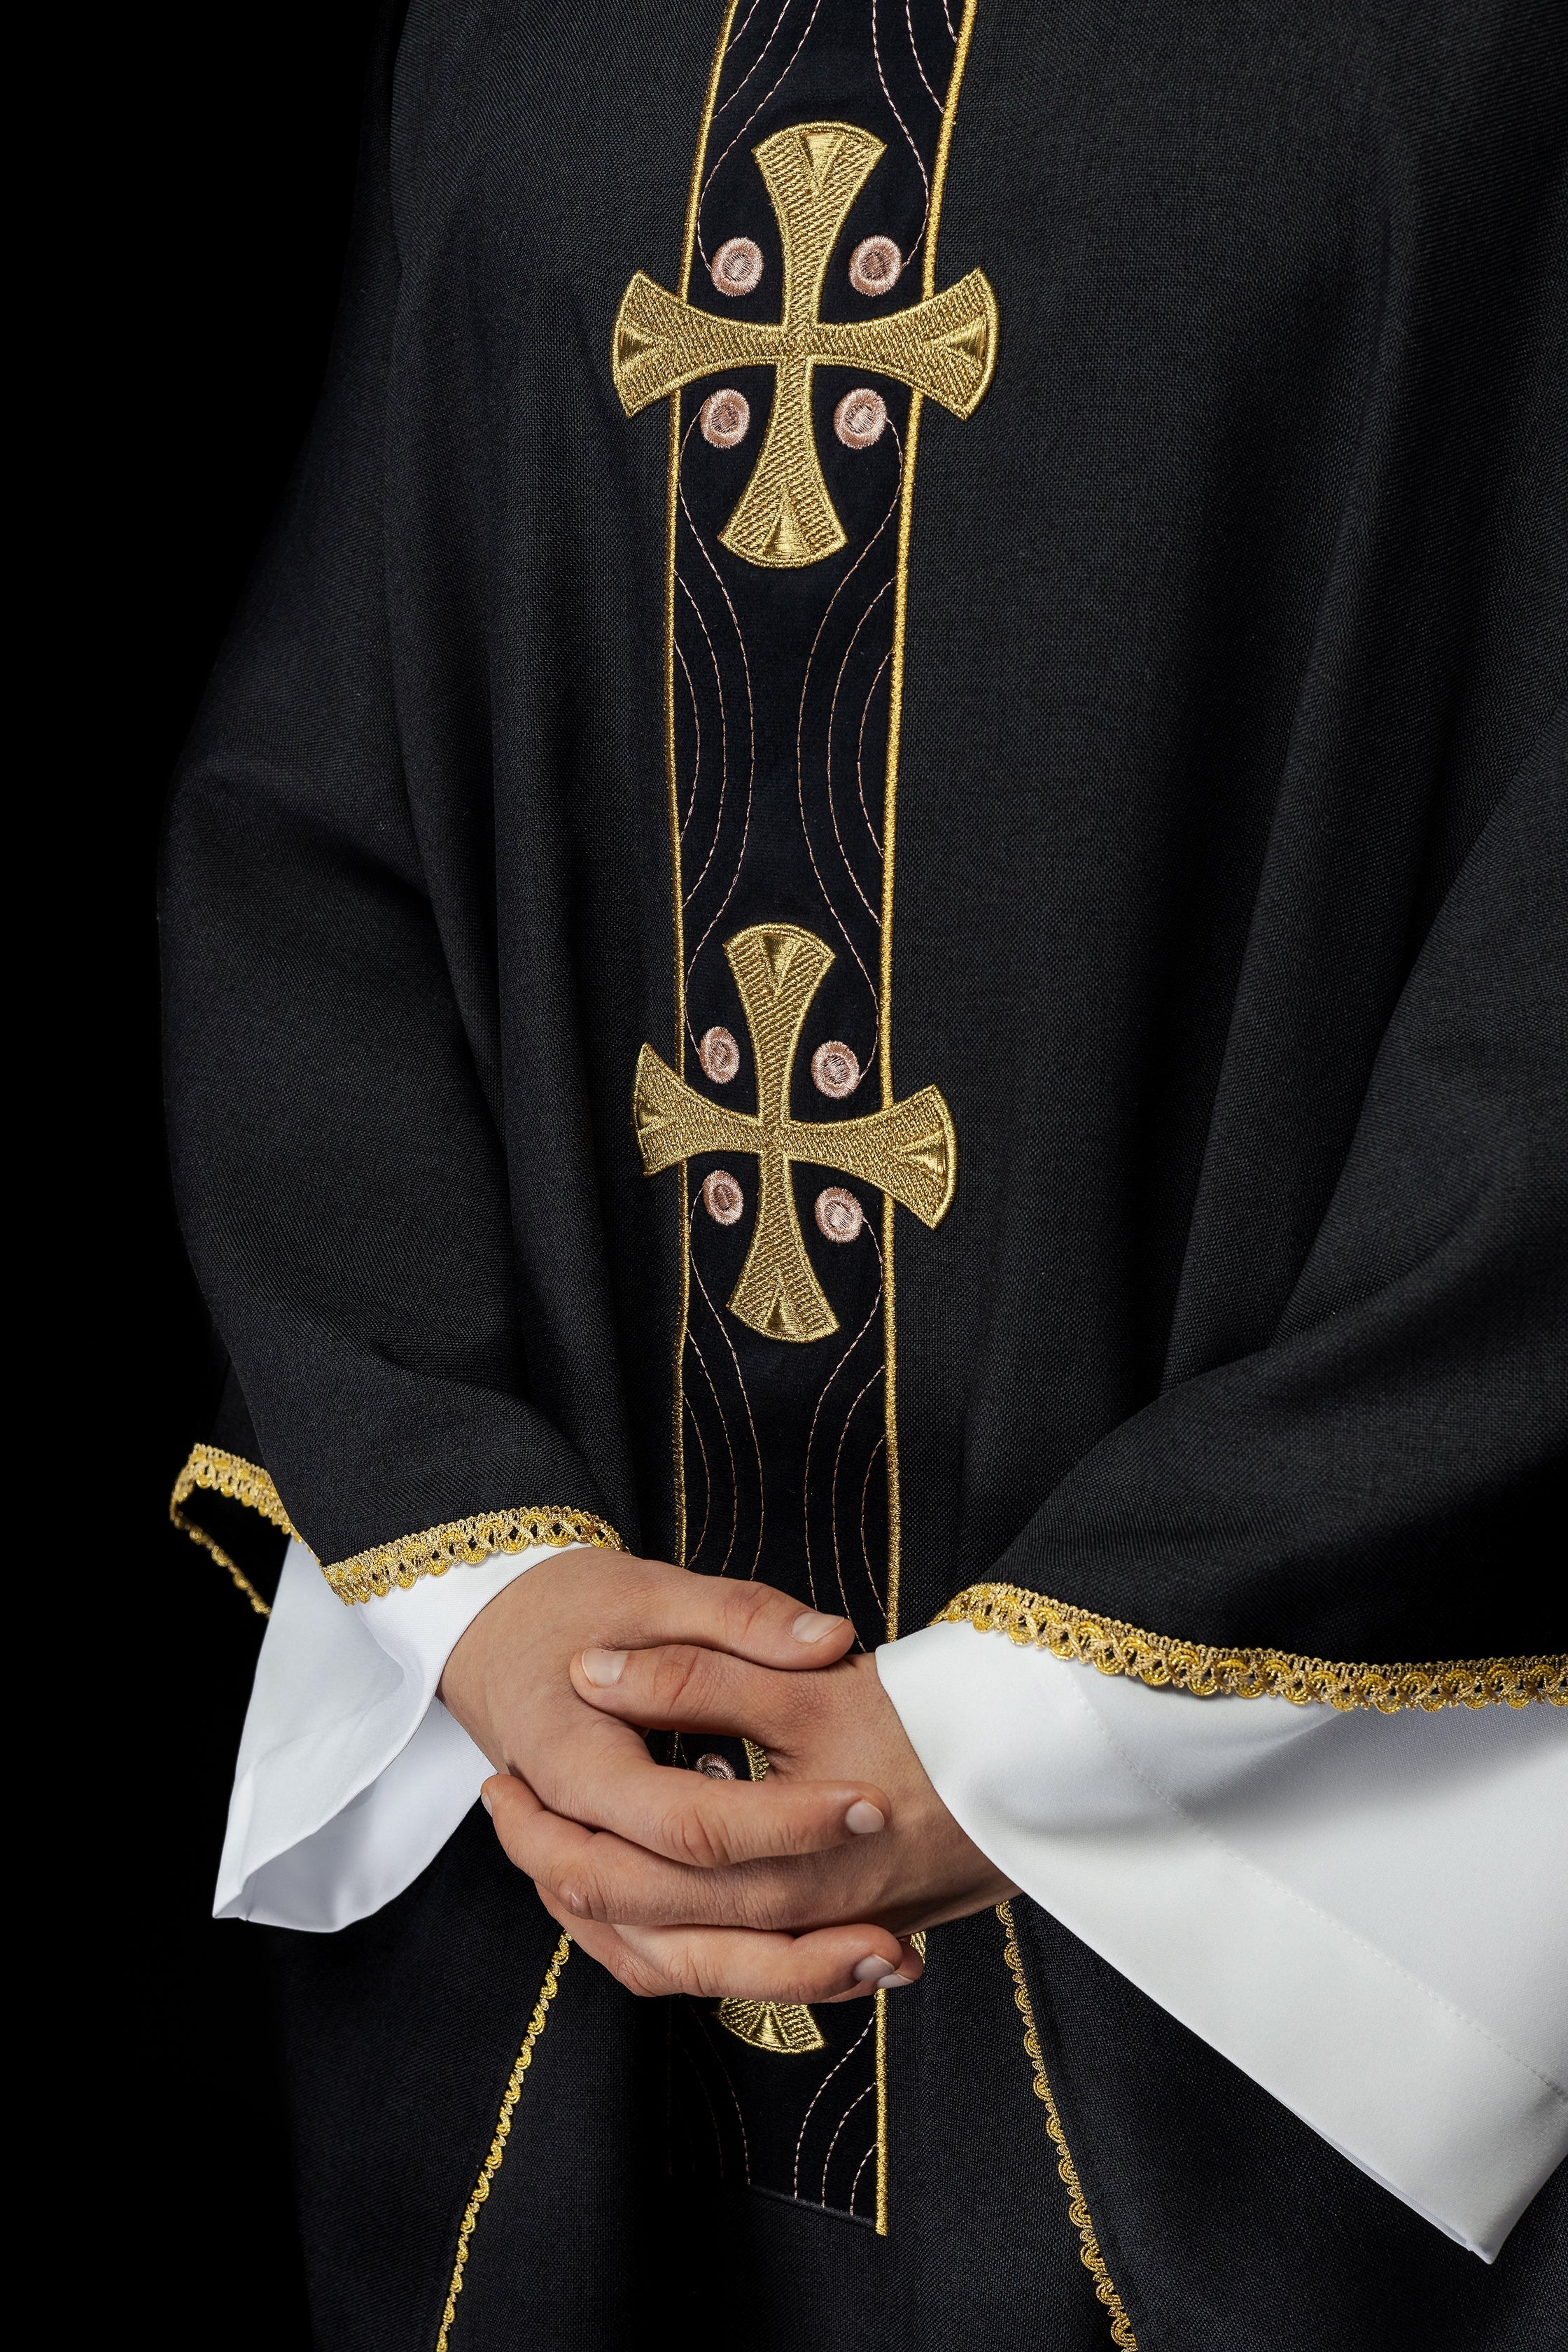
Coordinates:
(228, 152)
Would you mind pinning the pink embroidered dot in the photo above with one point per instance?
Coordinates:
(738, 265)
(723, 1197)
(834, 1071)
(714, 1768)
(720, 1055)
(840, 1214)
(874, 265)
(860, 418)
(724, 418)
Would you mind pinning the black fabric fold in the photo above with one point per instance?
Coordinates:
(1228, 919)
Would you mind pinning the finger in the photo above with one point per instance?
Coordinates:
(686, 1687)
(600, 1875)
(612, 1783)
(828, 1967)
(660, 1603)
(909, 1970)
(839, 1963)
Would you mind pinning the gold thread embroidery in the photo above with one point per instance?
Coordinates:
(1089, 2254)
(883, 2136)
(787, 2028)
(672, 797)
(370, 1575)
(1031, 1619)
(907, 1149)
(211, 1469)
(492, 2162)
(945, 345)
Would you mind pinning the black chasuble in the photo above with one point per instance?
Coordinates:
(873, 896)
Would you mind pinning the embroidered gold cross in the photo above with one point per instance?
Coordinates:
(907, 1149)
(946, 346)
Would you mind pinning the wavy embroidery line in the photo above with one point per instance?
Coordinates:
(751, 1423)
(762, 102)
(832, 718)
(903, 126)
(703, 550)
(817, 1416)
(861, 754)
(723, 1568)
(706, 1485)
(838, 1464)
(723, 750)
(835, 2069)
(915, 53)
(800, 735)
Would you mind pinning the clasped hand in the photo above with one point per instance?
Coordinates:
(804, 1886)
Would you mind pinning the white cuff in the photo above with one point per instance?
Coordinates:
(1367, 1914)
(352, 1775)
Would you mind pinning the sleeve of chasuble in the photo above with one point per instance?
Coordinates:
(1232, 1706)
(332, 1069)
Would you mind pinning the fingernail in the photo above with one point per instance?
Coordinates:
(484, 1800)
(863, 1819)
(603, 1667)
(885, 1984)
(865, 1971)
(813, 1627)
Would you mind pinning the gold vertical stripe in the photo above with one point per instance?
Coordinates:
(890, 835)
(687, 248)
(881, 2001)
(1089, 2254)
(492, 2162)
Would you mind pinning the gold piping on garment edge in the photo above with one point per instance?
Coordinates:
(1031, 1619)
(369, 1575)
(1089, 2254)
(492, 2162)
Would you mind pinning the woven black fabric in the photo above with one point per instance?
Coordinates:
(1229, 920)
(1229, 841)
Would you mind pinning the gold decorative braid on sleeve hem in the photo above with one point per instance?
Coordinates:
(463, 1543)
(241, 1482)
(492, 2162)
(1089, 2254)
(1029, 1618)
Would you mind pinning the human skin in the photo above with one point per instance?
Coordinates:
(804, 1886)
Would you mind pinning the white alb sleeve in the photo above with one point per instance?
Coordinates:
(352, 1775)
(1367, 1914)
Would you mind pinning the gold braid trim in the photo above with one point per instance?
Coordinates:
(370, 1575)
(492, 2162)
(241, 1482)
(1118, 1649)
(1089, 2254)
